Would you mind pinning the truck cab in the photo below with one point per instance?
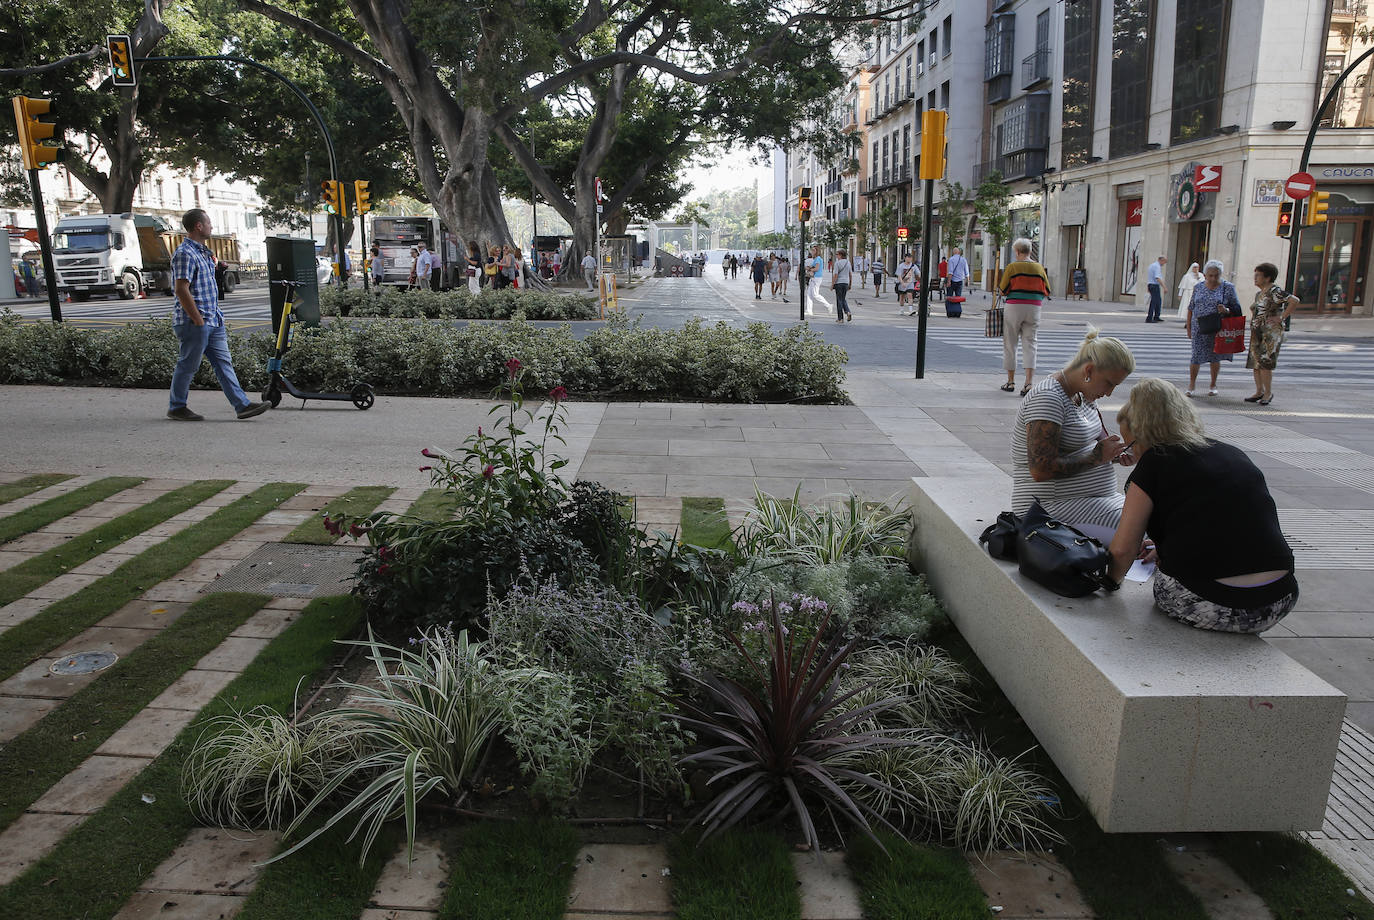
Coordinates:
(97, 254)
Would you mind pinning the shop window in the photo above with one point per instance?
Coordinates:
(1199, 68)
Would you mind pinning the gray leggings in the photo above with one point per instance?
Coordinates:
(1186, 607)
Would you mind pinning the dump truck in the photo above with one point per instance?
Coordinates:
(126, 254)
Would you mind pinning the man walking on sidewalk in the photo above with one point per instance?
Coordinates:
(589, 270)
(199, 324)
(958, 272)
(1154, 280)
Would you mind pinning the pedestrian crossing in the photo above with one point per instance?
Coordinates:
(1160, 354)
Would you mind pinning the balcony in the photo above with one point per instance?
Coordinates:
(998, 44)
(832, 188)
(1035, 68)
(850, 166)
(873, 116)
(1348, 9)
(887, 178)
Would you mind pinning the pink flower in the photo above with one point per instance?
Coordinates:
(487, 471)
(427, 453)
(384, 552)
(332, 527)
(356, 530)
(513, 367)
(383, 569)
(558, 394)
(426, 469)
(479, 431)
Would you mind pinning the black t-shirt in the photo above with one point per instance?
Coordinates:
(1213, 518)
(760, 269)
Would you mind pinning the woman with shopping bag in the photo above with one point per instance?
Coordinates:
(1212, 300)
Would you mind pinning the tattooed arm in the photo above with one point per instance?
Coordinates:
(1042, 453)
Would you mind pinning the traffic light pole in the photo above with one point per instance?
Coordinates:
(362, 236)
(804, 274)
(1299, 205)
(924, 300)
(45, 247)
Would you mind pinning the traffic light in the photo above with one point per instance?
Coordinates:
(362, 198)
(933, 123)
(903, 234)
(32, 132)
(121, 60)
(804, 203)
(1285, 228)
(1316, 209)
(333, 194)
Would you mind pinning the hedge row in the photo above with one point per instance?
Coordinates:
(621, 360)
(457, 304)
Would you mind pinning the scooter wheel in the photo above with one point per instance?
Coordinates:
(272, 395)
(362, 396)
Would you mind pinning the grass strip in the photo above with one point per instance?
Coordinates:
(503, 871)
(354, 503)
(739, 875)
(19, 580)
(99, 864)
(62, 619)
(59, 506)
(1295, 879)
(9, 491)
(322, 881)
(704, 523)
(911, 882)
(1122, 876)
(434, 505)
(56, 745)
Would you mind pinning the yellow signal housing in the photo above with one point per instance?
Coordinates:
(933, 124)
(35, 154)
(1316, 209)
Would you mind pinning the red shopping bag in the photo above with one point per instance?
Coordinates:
(1230, 339)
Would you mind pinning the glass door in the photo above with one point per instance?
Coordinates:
(1344, 282)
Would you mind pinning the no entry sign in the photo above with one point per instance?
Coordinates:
(1300, 185)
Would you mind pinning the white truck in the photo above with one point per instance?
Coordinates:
(123, 254)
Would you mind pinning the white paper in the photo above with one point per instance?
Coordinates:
(1140, 571)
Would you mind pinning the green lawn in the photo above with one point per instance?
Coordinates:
(9, 491)
(704, 523)
(519, 870)
(913, 882)
(1294, 878)
(355, 503)
(42, 514)
(737, 875)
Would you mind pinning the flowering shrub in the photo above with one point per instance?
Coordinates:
(620, 359)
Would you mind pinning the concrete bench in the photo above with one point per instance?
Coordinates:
(1159, 727)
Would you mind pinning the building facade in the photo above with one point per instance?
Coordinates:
(1179, 121)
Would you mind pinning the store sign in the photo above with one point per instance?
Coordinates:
(1135, 212)
(1342, 173)
(1186, 201)
(1268, 192)
(1073, 205)
(1207, 178)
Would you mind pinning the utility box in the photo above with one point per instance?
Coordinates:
(292, 259)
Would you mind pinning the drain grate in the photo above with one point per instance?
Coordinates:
(82, 663)
(294, 570)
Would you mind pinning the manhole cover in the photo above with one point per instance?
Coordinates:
(83, 663)
(294, 570)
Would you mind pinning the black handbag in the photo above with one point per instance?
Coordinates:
(1209, 324)
(1000, 536)
(1059, 557)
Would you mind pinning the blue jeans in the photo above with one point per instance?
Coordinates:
(1155, 303)
(956, 288)
(841, 300)
(209, 342)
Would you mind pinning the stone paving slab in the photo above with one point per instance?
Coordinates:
(35, 680)
(147, 734)
(86, 789)
(141, 614)
(1028, 886)
(620, 879)
(1221, 891)
(827, 889)
(213, 860)
(62, 586)
(28, 839)
(381, 913)
(179, 905)
(416, 885)
(18, 713)
(193, 690)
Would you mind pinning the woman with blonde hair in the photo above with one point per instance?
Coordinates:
(1223, 561)
(1061, 451)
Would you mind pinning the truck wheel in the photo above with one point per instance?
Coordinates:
(230, 281)
(81, 296)
(128, 286)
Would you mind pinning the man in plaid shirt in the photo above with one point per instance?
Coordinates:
(199, 324)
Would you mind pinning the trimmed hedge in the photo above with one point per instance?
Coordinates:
(620, 360)
(456, 304)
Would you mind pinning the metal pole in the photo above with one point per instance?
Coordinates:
(45, 247)
(925, 287)
(362, 236)
(804, 293)
(1298, 205)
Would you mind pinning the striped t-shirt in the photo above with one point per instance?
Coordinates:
(1089, 497)
(1025, 282)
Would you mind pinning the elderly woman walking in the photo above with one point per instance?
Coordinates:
(1272, 306)
(1025, 286)
(1212, 299)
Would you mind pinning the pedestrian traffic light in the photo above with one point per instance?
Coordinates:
(333, 194)
(1285, 227)
(903, 234)
(362, 198)
(121, 60)
(1316, 208)
(804, 203)
(35, 154)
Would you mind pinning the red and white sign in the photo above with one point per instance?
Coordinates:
(1300, 185)
(1206, 178)
(1135, 212)
(600, 194)
(903, 233)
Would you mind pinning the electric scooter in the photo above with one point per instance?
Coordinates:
(361, 395)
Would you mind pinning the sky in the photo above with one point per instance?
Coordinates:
(725, 171)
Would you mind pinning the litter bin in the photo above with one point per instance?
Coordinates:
(292, 259)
